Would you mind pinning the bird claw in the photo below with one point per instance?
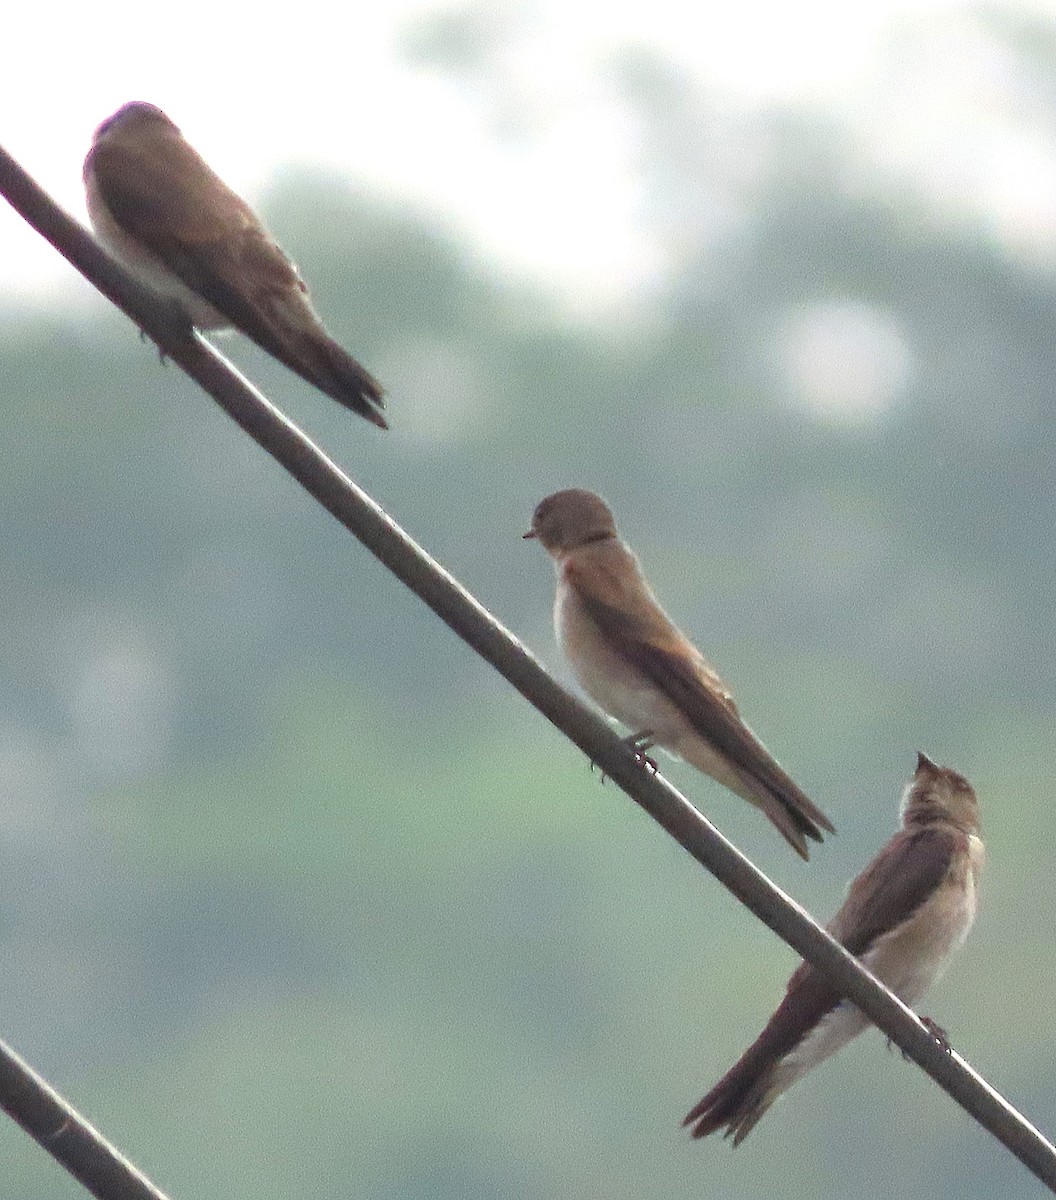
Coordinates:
(177, 327)
(145, 337)
(639, 743)
(936, 1031)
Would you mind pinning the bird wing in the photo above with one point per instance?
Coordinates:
(621, 605)
(884, 896)
(161, 192)
(894, 885)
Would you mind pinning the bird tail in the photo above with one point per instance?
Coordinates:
(795, 818)
(789, 809)
(738, 1100)
(322, 362)
(742, 763)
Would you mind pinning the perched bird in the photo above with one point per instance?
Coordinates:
(629, 656)
(904, 916)
(175, 224)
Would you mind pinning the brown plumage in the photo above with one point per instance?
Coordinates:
(634, 661)
(904, 916)
(170, 218)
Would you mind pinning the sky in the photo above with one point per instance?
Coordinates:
(924, 90)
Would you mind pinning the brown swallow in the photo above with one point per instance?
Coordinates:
(171, 220)
(904, 916)
(632, 659)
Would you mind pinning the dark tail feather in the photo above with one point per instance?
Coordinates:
(787, 822)
(810, 817)
(737, 1101)
(335, 372)
(764, 1071)
(796, 817)
(281, 321)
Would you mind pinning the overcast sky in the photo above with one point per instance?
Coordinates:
(923, 82)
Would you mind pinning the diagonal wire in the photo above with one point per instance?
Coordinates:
(67, 1136)
(324, 480)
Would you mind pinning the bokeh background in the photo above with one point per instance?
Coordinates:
(296, 897)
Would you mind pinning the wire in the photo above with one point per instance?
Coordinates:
(321, 477)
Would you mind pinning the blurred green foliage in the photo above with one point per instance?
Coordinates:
(298, 899)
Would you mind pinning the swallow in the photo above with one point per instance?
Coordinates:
(904, 917)
(629, 656)
(160, 209)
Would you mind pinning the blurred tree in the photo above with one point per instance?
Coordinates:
(293, 891)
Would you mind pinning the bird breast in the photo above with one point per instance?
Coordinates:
(146, 267)
(606, 676)
(911, 957)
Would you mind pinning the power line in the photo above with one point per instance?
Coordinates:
(321, 477)
(67, 1136)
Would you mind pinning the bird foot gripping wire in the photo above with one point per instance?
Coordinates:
(638, 743)
(936, 1031)
(177, 325)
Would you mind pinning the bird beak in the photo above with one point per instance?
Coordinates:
(925, 764)
(530, 534)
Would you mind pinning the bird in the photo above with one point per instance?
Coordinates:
(632, 660)
(904, 916)
(169, 218)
